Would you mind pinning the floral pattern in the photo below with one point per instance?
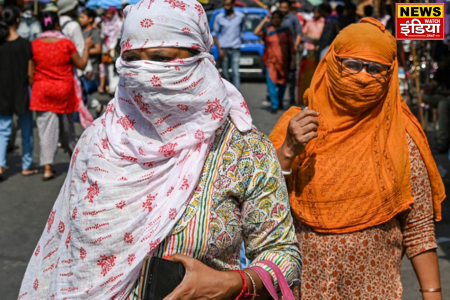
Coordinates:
(366, 264)
(248, 203)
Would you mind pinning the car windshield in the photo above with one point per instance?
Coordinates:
(252, 20)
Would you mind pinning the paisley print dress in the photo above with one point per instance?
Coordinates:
(241, 196)
(366, 264)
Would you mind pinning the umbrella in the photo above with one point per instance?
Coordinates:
(105, 3)
(315, 2)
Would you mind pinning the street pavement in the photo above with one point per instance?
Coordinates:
(25, 203)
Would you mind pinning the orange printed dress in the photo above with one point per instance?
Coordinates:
(367, 189)
(366, 264)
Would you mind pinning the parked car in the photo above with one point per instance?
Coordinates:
(251, 49)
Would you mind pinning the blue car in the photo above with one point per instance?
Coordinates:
(251, 49)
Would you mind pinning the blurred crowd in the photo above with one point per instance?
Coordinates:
(57, 58)
(296, 38)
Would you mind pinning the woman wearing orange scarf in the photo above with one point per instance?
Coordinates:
(363, 185)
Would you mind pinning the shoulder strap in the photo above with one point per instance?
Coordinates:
(65, 23)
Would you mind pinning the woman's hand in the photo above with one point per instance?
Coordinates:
(301, 130)
(203, 282)
(221, 54)
(259, 29)
(88, 43)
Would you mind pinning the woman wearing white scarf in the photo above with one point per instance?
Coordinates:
(173, 166)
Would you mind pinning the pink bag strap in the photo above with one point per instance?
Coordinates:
(266, 280)
(284, 286)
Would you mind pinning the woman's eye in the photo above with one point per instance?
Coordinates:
(353, 65)
(375, 69)
(131, 57)
(161, 58)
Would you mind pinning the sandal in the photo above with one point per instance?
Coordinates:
(29, 172)
(47, 178)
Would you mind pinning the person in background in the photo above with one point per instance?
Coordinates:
(15, 78)
(387, 20)
(294, 10)
(311, 34)
(53, 94)
(51, 6)
(68, 12)
(125, 3)
(349, 16)
(102, 73)
(91, 79)
(98, 20)
(330, 30)
(340, 11)
(87, 19)
(279, 56)
(368, 11)
(111, 33)
(290, 20)
(437, 95)
(29, 27)
(364, 188)
(228, 30)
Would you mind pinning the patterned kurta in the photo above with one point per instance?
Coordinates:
(241, 196)
(366, 264)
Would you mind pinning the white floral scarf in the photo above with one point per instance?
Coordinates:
(135, 168)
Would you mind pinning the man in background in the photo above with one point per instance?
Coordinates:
(349, 16)
(368, 11)
(330, 30)
(68, 14)
(29, 27)
(291, 21)
(228, 30)
(437, 95)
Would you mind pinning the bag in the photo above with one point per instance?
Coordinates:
(267, 280)
(159, 278)
(89, 86)
(106, 59)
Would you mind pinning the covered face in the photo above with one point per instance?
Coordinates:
(356, 93)
(356, 173)
(162, 84)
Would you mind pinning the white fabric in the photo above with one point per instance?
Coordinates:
(134, 169)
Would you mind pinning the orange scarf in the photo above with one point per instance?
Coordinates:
(356, 174)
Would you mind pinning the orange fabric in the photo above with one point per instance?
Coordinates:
(356, 174)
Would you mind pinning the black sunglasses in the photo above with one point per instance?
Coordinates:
(354, 66)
